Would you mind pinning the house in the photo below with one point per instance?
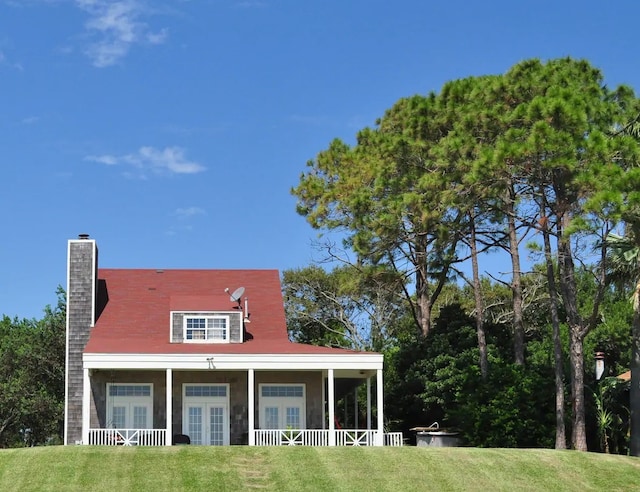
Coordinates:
(159, 357)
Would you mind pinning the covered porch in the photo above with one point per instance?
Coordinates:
(259, 400)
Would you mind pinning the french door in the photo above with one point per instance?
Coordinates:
(129, 406)
(206, 415)
(282, 406)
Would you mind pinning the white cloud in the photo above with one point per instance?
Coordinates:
(115, 27)
(157, 37)
(4, 61)
(170, 160)
(103, 159)
(30, 120)
(185, 213)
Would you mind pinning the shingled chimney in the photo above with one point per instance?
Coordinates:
(82, 281)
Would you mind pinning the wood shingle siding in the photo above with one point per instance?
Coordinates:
(81, 290)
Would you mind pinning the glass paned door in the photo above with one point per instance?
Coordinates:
(282, 406)
(129, 406)
(293, 418)
(271, 418)
(119, 417)
(211, 431)
(130, 416)
(140, 417)
(216, 426)
(194, 424)
(206, 413)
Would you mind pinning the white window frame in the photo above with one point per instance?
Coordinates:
(281, 402)
(206, 401)
(127, 400)
(207, 318)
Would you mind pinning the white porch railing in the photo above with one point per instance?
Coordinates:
(279, 437)
(393, 439)
(271, 437)
(355, 437)
(127, 437)
(317, 437)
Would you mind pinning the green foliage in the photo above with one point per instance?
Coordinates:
(32, 377)
(545, 147)
(438, 380)
(611, 415)
(612, 336)
(425, 375)
(511, 408)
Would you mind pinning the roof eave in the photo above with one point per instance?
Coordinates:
(296, 362)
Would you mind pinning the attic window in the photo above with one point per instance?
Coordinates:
(206, 329)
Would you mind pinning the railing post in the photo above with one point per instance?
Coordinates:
(251, 406)
(86, 405)
(332, 406)
(380, 408)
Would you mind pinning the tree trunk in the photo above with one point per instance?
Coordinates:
(568, 289)
(561, 437)
(477, 294)
(579, 433)
(516, 282)
(7, 420)
(423, 299)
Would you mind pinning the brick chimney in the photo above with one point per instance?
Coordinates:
(82, 283)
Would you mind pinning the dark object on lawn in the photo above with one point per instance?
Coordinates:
(181, 439)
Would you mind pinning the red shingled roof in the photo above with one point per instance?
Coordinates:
(136, 316)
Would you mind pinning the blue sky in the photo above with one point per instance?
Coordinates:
(172, 131)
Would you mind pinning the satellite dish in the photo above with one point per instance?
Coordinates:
(237, 295)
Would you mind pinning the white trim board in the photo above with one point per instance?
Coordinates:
(363, 362)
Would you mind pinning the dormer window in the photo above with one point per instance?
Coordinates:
(206, 329)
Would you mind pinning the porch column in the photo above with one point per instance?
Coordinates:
(86, 405)
(332, 407)
(251, 406)
(168, 440)
(369, 403)
(380, 408)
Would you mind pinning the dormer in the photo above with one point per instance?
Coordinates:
(205, 319)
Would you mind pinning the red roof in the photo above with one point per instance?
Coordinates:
(136, 316)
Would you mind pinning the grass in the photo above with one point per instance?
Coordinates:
(89, 468)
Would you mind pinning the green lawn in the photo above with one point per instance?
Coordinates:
(90, 468)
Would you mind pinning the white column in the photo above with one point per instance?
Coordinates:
(380, 408)
(332, 407)
(86, 405)
(168, 439)
(368, 403)
(251, 404)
